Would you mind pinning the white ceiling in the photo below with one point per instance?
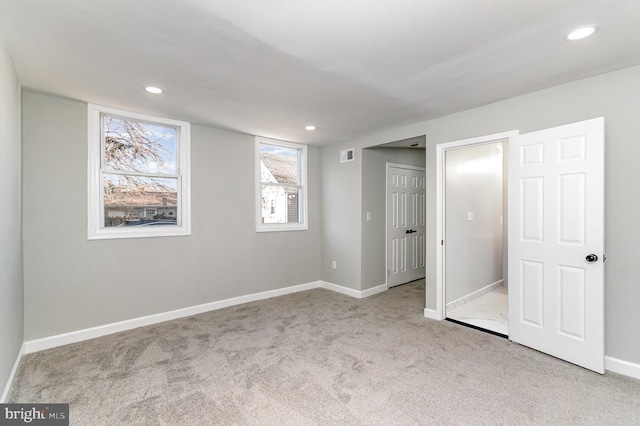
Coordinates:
(350, 67)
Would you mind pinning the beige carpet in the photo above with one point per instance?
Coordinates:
(320, 358)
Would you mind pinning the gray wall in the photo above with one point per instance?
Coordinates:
(473, 247)
(342, 213)
(615, 96)
(71, 283)
(11, 290)
(374, 187)
(341, 218)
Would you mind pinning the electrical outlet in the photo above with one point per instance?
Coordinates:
(334, 265)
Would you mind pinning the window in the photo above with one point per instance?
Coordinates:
(281, 174)
(138, 175)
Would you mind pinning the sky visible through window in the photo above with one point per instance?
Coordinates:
(136, 146)
(280, 150)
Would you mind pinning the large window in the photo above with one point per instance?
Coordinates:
(281, 174)
(138, 175)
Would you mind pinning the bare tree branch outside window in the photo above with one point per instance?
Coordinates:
(140, 170)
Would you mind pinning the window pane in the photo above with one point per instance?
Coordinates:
(135, 146)
(280, 204)
(279, 164)
(139, 201)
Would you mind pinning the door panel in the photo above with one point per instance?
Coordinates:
(532, 293)
(532, 209)
(571, 295)
(556, 219)
(405, 225)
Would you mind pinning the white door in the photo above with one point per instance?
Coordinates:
(405, 224)
(556, 242)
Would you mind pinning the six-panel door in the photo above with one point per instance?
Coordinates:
(405, 225)
(556, 242)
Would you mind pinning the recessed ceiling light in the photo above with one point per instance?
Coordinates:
(154, 90)
(310, 127)
(580, 33)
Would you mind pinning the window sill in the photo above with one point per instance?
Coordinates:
(279, 227)
(110, 234)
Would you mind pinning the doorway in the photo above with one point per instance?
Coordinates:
(476, 293)
(408, 152)
(469, 219)
(555, 233)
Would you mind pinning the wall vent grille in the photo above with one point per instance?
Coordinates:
(347, 155)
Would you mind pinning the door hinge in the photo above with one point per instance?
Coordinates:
(604, 257)
(441, 242)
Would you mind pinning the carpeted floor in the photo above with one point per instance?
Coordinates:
(320, 358)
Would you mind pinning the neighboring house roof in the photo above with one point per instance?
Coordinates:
(141, 199)
(283, 168)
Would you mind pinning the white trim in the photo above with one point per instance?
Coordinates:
(622, 367)
(474, 295)
(373, 290)
(102, 330)
(12, 376)
(275, 227)
(432, 314)
(353, 293)
(440, 216)
(406, 167)
(611, 364)
(95, 210)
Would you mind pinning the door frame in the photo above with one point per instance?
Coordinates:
(440, 311)
(386, 210)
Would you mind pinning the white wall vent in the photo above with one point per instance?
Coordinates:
(346, 155)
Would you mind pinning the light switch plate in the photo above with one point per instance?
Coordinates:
(469, 215)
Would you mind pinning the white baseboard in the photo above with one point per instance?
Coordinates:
(116, 327)
(340, 289)
(622, 367)
(374, 290)
(611, 364)
(432, 314)
(102, 330)
(351, 292)
(14, 370)
(474, 295)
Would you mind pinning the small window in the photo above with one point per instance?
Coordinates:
(281, 170)
(138, 175)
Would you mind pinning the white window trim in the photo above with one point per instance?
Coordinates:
(95, 204)
(275, 227)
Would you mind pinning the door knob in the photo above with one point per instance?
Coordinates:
(591, 258)
(410, 231)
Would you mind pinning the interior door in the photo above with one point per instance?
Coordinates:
(556, 242)
(405, 225)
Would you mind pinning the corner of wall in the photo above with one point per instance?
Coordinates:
(11, 249)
